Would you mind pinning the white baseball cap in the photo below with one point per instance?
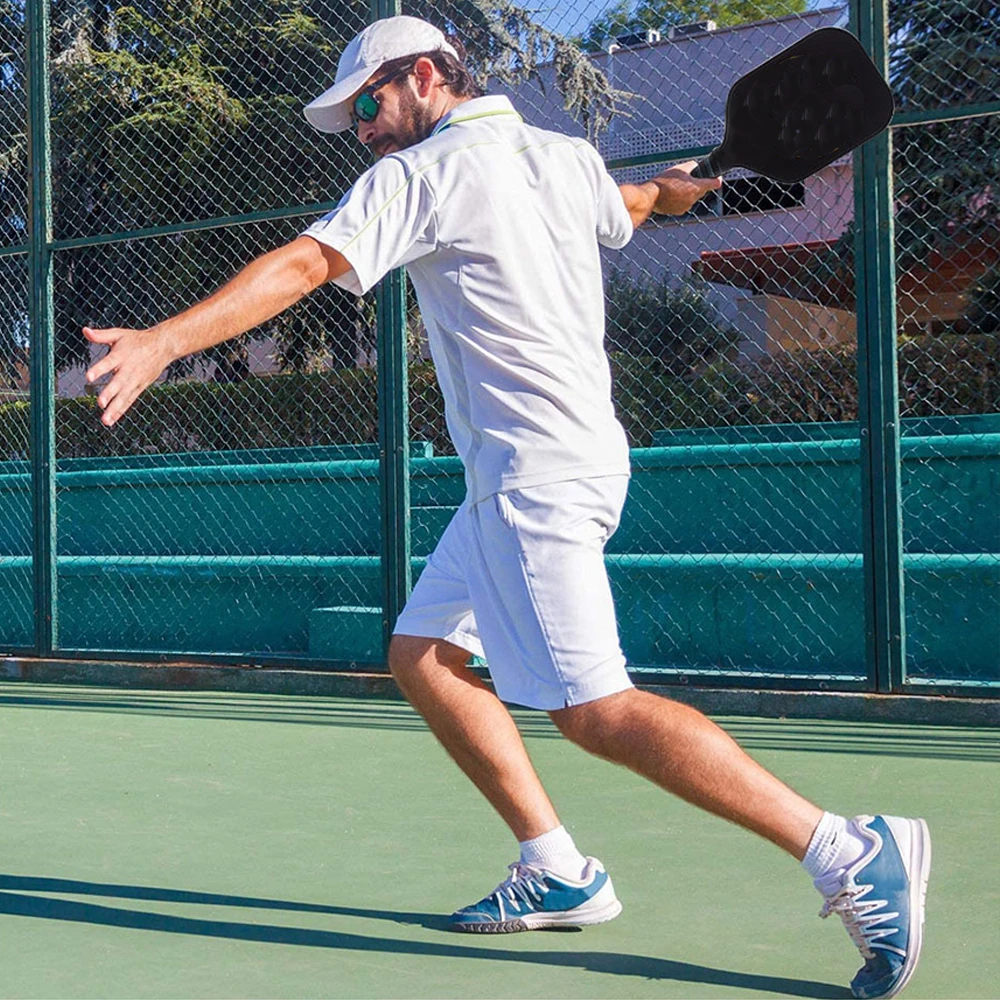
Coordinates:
(382, 41)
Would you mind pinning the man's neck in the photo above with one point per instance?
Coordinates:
(449, 103)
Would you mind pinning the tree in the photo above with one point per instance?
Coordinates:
(675, 322)
(983, 314)
(945, 54)
(628, 16)
(168, 111)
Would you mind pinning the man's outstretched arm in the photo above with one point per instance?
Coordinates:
(672, 192)
(265, 287)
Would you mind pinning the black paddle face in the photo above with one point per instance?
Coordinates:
(801, 110)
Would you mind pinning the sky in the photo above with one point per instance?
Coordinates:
(573, 18)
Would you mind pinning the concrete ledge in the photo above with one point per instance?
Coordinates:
(910, 709)
(199, 677)
(844, 706)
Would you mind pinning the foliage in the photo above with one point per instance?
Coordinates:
(175, 111)
(937, 376)
(983, 314)
(628, 16)
(945, 54)
(673, 321)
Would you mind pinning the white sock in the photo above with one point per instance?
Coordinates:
(555, 852)
(834, 845)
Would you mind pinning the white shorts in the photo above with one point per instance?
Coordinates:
(519, 579)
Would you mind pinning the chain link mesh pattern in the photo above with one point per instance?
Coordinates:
(945, 56)
(16, 621)
(242, 494)
(16, 630)
(235, 510)
(192, 111)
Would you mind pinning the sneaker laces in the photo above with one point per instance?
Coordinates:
(859, 916)
(525, 884)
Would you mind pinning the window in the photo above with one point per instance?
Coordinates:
(744, 195)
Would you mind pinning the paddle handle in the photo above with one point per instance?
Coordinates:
(711, 165)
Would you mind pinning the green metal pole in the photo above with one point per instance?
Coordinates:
(394, 448)
(393, 417)
(40, 312)
(878, 400)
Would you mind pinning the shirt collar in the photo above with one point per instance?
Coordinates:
(478, 107)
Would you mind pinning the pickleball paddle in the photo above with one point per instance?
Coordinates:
(801, 110)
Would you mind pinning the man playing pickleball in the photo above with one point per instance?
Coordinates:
(498, 225)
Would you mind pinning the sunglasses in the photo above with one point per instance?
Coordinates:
(366, 104)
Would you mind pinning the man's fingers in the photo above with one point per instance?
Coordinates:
(105, 364)
(120, 406)
(112, 391)
(96, 336)
(114, 401)
(708, 183)
(102, 367)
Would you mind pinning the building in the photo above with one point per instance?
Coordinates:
(764, 247)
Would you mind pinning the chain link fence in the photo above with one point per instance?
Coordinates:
(16, 610)
(943, 58)
(239, 511)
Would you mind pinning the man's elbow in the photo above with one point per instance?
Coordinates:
(318, 263)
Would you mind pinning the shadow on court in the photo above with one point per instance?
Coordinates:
(20, 902)
(815, 736)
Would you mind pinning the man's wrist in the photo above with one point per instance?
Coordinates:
(167, 342)
(652, 191)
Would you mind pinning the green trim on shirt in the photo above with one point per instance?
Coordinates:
(472, 118)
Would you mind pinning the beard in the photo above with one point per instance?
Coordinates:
(416, 122)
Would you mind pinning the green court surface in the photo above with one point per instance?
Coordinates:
(183, 844)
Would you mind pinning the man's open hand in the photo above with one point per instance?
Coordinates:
(137, 358)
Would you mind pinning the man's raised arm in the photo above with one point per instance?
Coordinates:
(672, 192)
(263, 289)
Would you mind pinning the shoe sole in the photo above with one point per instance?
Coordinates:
(920, 862)
(595, 911)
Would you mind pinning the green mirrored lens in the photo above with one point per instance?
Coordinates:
(365, 106)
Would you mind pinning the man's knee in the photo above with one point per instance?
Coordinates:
(589, 725)
(412, 657)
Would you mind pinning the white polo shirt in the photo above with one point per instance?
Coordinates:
(498, 225)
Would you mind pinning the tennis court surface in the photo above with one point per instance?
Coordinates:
(164, 844)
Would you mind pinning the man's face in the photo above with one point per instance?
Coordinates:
(403, 118)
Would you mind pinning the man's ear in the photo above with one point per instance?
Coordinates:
(424, 72)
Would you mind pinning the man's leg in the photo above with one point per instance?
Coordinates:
(872, 870)
(478, 732)
(475, 728)
(687, 754)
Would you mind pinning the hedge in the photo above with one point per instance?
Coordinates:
(947, 375)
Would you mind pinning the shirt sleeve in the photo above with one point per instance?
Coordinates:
(386, 220)
(614, 224)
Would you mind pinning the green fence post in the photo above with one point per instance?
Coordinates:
(393, 416)
(878, 400)
(40, 310)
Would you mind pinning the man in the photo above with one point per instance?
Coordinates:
(498, 224)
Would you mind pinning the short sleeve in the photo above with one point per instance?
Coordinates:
(386, 220)
(614, 224)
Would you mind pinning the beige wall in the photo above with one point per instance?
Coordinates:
(773, 323)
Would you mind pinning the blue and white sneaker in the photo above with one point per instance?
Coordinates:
(880, 898)
(533, 898)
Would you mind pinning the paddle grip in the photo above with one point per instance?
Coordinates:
(709, 166)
